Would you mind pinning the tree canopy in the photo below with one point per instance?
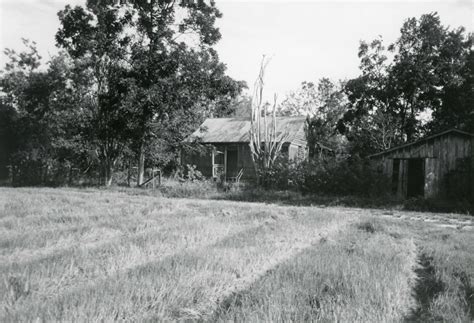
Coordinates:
(135, 77)
(420, 84)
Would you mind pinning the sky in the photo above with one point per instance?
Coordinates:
(306, 40)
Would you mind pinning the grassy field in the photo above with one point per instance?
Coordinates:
(90, 255)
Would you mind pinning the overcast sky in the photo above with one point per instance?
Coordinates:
(307, 39)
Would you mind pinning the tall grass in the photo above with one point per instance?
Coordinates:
(100, 255)
(363, 276)
(109, 255)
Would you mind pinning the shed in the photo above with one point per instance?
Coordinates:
(440, 165)
(230, 139)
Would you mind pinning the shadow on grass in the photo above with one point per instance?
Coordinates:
(170, 267)
(229, 308)
(209, 190)
(294, 198)
(428, 286)
(468, 292)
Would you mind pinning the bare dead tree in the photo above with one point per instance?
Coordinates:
(265, 144)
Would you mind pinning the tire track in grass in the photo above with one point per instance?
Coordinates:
(164, 287)
(138, 270)
(309, 236)
(426, 289)
(70, 268)
(348, 279)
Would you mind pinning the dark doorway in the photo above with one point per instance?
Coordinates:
(416, 177)
(395, 175)
(232, 158)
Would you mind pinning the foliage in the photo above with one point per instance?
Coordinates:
(428, 74)
(95, 38)
(42, 117)
(324, 100)
(331, 175)
(323, 105)
(241, 106)
(427, 62)
(370, 123)
(283, 174)
(131, 81)
(190, 173)
(347, 176)
(458, 100)
(177, 74)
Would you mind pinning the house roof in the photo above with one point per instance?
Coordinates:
(228, 130)
(450, 131)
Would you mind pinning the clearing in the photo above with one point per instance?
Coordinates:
(90, 255)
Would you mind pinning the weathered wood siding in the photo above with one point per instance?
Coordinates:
(448, 165)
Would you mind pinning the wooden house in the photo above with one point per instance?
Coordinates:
(230, 139)
(441, 165)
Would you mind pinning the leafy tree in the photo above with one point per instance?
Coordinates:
(371, 121)
(177, 72)
(241, 106)
(428, 71)
(428, 62)
(457, 100)
(36, 111)
(323, 104)
(95, 37)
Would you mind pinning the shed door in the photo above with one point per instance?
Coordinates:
(232, 159)
(416, 177)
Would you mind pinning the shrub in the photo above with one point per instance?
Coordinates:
(328, 176)
(439, 205)
(188, 173)
(348, 176)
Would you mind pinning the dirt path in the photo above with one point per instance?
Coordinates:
(455, 221)
(444, 220)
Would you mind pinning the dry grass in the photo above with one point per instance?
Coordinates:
(89, 255)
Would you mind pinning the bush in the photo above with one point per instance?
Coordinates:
(280, 175)
(349, 176)
(188, 173)
(329, 176)
(439, 205)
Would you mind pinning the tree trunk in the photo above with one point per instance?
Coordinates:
(108, 171)
(108, 180)
(129, 173)
(141, 165)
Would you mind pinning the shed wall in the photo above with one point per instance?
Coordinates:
(448, 165)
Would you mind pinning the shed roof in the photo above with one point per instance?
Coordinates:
(444, 133)
(228, 130)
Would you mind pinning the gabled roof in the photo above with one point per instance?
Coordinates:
(450, 131)
(228, 130)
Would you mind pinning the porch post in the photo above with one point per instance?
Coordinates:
(212, 158)
(225, 164)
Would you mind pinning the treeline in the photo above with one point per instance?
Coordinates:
(421, 84)
(131, 79)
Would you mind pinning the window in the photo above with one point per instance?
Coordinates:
(218, 157)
